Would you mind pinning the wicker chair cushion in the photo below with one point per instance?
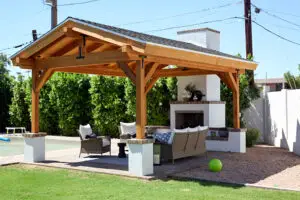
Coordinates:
(128, 128)
(85, 130)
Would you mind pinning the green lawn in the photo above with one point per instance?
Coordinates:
(34, 183)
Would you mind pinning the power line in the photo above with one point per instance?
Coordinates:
(182, 14)
(283, 13)
(196, 24)
(281, 37)
(226, 19)
(275, 16)
(78, 3)
(15, 47)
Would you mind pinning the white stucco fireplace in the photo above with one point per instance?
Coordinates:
(205, 113)
(210, 111)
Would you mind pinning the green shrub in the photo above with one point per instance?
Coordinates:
(252, 135)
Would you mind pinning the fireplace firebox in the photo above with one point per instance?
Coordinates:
(188, 119)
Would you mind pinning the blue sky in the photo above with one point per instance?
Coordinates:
(275, 56)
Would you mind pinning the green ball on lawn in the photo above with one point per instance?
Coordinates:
(215, 165)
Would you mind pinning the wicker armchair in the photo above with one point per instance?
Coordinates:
(95, 145)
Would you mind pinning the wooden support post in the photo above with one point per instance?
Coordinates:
(236, 102)
(140, 100)
(35, 103)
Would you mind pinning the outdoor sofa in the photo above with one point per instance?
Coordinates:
(185, 143)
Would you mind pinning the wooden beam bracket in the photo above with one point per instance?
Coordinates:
(126, 69)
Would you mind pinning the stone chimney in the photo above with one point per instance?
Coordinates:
(208, 84)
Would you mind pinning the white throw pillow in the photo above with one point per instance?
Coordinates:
(105, 142)
(85, 130)
(128, 128)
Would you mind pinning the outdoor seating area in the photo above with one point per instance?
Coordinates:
(260, 166)
(123, 106)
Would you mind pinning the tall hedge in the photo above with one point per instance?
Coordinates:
(18, 110)
(5, 92)
(69, 95)
(108, 103)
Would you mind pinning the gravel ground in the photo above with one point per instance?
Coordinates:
(261, 166)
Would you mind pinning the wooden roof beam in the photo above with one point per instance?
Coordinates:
(95, 71)
(189, 64)
(198, 57)
(90, 59)
(23, 63)
(181, 72)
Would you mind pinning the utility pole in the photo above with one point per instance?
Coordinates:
(53, 13)
(248, 34)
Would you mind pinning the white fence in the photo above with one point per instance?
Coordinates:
(277, 116)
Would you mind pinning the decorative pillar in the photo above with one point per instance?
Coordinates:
(140, 158)
(34, 103)
(236, 102)
(34, 142)
(140, 100)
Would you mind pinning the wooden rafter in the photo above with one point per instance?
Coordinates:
(107, 37)
(102, 48)
(60, 44)
(42, 44)
(66, 49)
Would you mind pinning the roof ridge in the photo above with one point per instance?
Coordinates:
(158, 37)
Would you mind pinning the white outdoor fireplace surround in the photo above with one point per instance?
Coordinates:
(213, 112)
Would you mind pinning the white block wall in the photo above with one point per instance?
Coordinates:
(277, 115)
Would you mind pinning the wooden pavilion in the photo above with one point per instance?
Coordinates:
(80, 46)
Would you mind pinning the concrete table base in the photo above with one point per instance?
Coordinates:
(34, 147)
(140, 159)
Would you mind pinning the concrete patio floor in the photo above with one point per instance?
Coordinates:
(261, 166)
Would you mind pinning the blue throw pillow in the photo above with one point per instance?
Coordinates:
(163, 137)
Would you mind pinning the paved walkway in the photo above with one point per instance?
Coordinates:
(261, 166)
